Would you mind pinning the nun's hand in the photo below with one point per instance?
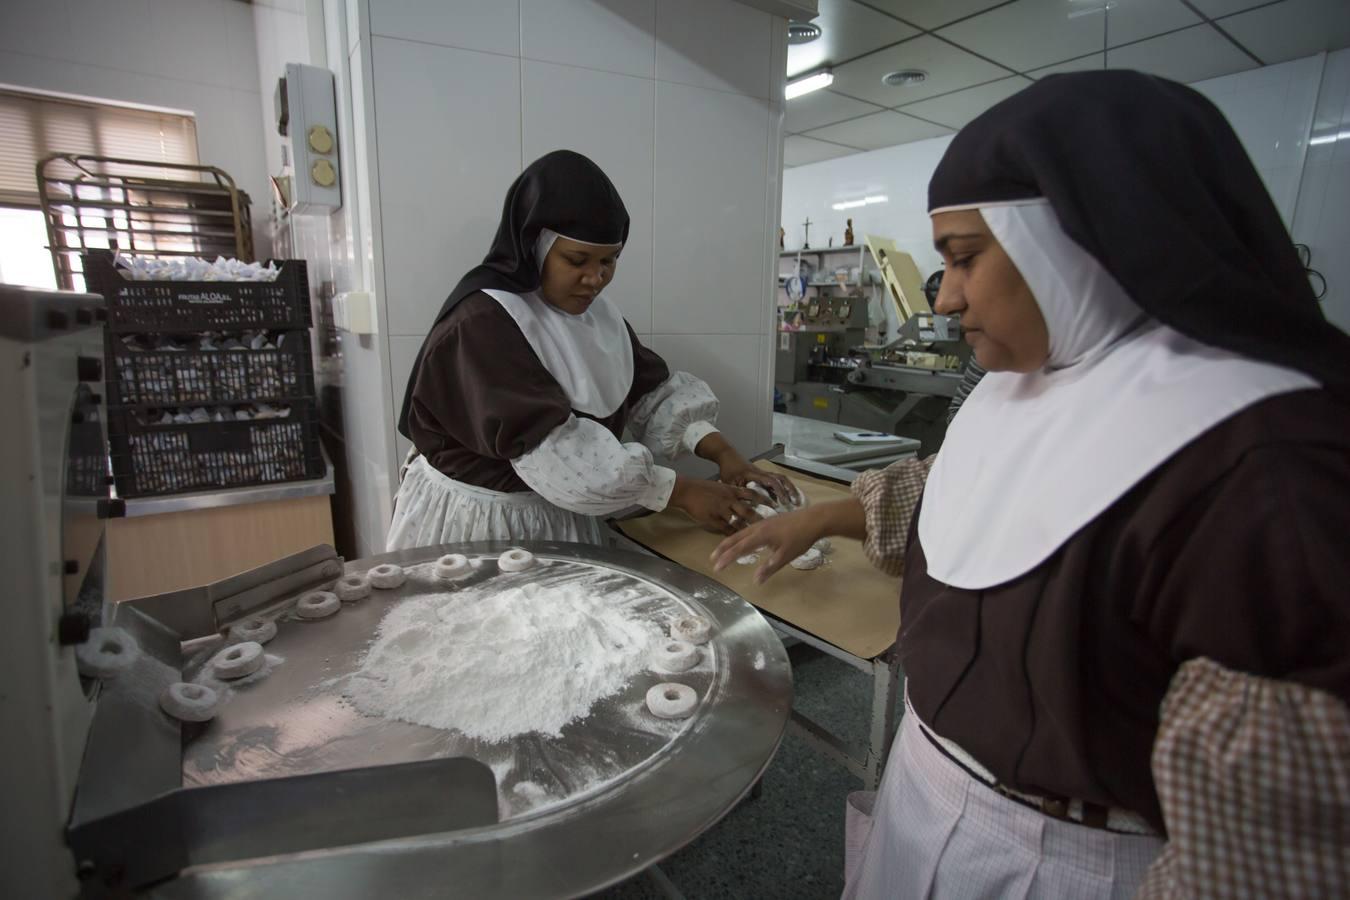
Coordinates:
(777, 540)
(735, 470)
(716, 507)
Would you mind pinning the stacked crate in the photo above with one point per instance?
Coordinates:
(210, 383)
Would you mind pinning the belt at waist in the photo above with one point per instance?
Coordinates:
(1093, 815)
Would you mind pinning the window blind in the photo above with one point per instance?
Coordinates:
(35, 125)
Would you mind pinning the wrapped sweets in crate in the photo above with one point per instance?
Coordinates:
(177, 449)
(137, 305)
(208, 369)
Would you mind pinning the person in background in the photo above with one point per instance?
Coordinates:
(521, 392)
(1125, 612)
(970, 376)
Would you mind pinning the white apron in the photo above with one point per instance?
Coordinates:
(433, 508)
(933, 830)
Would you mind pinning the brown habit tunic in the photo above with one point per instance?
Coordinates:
(483, 398)
(1238, 549)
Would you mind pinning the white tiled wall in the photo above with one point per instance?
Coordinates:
(448, 133)
(1322, 218)
(614, 126)
(443, 104)
(711, 176)
(900, 174)
(192, 55)
(1271, 109)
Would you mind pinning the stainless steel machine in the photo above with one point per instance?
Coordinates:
(903, 388)
(288, 791)
(54, 493)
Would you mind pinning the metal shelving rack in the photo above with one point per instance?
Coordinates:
(860, 286)
(140, 208)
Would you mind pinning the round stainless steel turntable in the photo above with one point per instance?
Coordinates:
(616, 792)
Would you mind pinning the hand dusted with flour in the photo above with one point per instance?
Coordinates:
(493, 664)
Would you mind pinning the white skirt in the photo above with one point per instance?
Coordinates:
(933, 830)
(432, 508)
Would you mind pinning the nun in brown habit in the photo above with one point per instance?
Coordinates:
(1125, 607)
(520, 395)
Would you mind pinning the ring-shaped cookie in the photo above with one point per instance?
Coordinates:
(452, 567)
(387, 576)
(253, 629)
(515, 560)
(237, 661)
(676, 656)
(107, 652)
(694, 629)
(811, 559)
(350, 588)
(189, 702)
(672, 701)
(317, 605)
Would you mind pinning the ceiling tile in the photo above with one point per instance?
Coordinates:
(1082, 64)
(799, 150)
(1216, 8)
(1186, 56)
(1292, 29)
(847, 29)
(1032, 33)
(948, 68)
(822, 108)
(933, 13)
(883, 129)
(958, 109)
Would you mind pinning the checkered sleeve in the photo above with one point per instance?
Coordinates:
(1254, 779)
(888, 497)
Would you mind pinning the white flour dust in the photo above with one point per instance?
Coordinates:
(498, 663)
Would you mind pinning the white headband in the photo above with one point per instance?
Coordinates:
(544, 243)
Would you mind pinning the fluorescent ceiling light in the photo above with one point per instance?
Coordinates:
(1330, 138)
(1080, 8)
(865, 201)
(808, 83)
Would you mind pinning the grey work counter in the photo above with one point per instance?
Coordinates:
(812, 442)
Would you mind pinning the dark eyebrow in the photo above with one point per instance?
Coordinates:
(942, 242)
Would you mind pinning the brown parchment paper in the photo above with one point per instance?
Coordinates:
(846, 601)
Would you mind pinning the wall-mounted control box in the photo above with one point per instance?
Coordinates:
(306, 112)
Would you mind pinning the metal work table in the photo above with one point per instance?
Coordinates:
(884, 667)
(884, 670)
(814, 441)
(316, 784)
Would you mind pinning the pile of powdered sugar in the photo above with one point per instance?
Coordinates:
(497, 663)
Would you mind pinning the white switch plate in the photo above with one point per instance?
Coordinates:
(354, 312)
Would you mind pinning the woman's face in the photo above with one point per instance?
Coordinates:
(575, 273)
(999, 315)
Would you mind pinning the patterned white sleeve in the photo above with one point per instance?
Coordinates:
(583, 468)
(672, 419)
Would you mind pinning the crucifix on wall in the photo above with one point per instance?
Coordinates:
(806, 238)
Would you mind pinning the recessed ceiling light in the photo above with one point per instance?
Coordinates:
(808, 83)
(802, 32)
(904, 78)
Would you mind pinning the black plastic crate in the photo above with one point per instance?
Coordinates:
(160, 377)
(171, 459)
(192, 306)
